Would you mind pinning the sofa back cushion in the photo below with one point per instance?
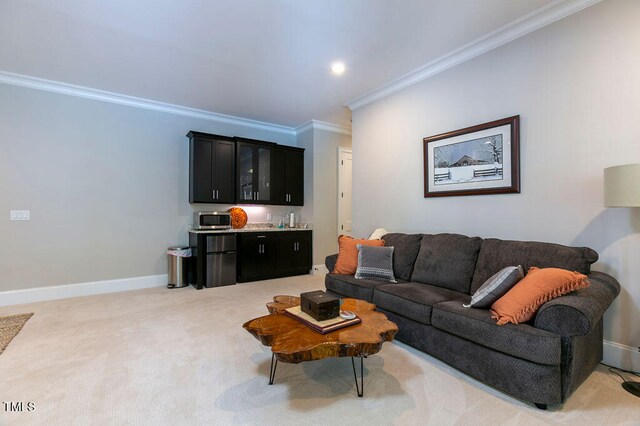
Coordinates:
(497, 254)
(447, 260)
(406, 247)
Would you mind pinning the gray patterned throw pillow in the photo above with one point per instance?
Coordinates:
(496, 287)
(375, 263)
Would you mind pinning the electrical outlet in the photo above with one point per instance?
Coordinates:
(20, 215)
(269, 216)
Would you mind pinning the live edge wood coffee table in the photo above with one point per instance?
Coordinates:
(293, 342)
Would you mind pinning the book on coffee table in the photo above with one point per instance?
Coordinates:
(322, 327)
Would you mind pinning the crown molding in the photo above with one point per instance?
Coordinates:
(323, 125)
(132, 101)
(535, 20)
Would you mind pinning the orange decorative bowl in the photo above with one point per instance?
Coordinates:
(238, 217)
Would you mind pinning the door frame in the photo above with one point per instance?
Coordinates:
(341, 151)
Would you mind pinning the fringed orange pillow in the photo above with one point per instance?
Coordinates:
(347, 261)
(522, 302)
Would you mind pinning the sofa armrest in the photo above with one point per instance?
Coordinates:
(577, 313)
(330, 262)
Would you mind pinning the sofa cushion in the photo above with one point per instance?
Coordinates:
(496, 287)
(348, 286)
(406, 247)
(476, 325)
(521, 303)
(412, 300)
(447, 260)
(497, 254)
(375, 263)
(347, 261)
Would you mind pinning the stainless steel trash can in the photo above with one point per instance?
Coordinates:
(178, 266)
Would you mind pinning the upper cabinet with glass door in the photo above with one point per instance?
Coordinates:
(254, 171)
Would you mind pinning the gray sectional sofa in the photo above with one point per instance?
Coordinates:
(542, 361)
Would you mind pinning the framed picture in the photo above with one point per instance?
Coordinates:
(482, 159)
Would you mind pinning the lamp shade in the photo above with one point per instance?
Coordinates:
(622, 186)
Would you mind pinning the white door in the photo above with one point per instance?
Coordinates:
(344, 191)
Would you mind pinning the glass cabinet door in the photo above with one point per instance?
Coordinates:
(263, 184)
(254, 173)
(246, 188)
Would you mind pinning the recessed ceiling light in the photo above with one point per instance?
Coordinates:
(337, 68)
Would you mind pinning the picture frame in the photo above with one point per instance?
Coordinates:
(477, 160)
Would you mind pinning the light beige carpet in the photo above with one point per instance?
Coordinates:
(10, 326)
(181, 357)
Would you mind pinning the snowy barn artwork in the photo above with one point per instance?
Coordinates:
(477, 160)
(469, 161)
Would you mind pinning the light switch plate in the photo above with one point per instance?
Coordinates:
(20, 215)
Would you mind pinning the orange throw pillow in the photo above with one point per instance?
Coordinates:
(539, 286)
(347, 262)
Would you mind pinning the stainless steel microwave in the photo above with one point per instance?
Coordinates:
(211, 220)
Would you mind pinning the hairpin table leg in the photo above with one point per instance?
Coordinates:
(359, 389)
(272, 369)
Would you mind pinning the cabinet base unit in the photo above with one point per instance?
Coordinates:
(223, 258)
(269, 255)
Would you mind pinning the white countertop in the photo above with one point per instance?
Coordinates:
(245, 229)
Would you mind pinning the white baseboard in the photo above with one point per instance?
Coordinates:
(38, 294)
(619, 355)
(319, 270)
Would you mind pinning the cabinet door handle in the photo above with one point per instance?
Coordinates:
(217, 194)
(257, 195)
(213, 194)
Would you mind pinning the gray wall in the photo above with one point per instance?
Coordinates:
(305, 140)
(325, 192)
(107, 186)
(321, 188)
(576, 86)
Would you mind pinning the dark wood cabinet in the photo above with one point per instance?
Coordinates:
(273, 254)
(287, 170)
(238, 170)
(258, 256)
(294, 253)
(212, 176)
(254, 171)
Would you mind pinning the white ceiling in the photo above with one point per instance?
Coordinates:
(265, 60)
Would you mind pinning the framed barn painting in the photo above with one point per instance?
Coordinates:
(482, 159)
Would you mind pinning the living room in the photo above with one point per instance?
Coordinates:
(105, 176)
